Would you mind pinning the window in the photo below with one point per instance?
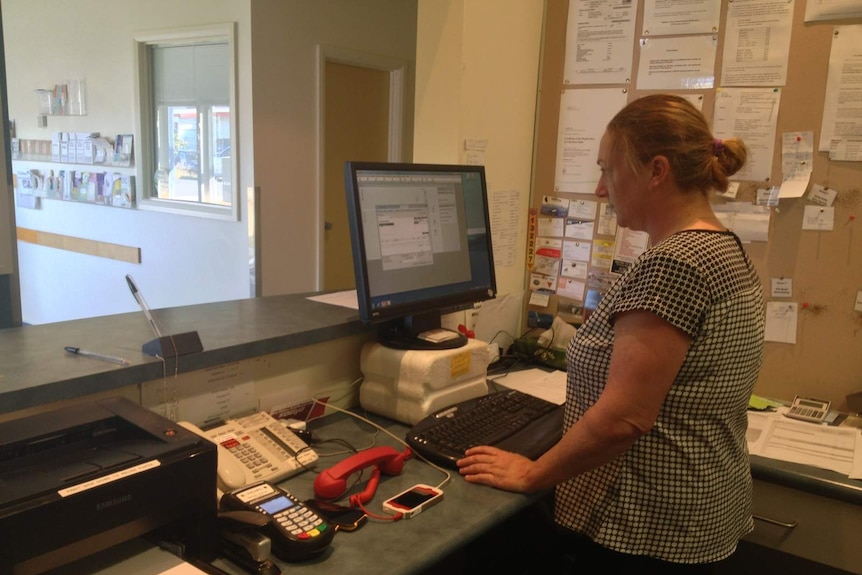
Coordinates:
(187, 127)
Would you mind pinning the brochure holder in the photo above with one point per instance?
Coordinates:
(175, 345)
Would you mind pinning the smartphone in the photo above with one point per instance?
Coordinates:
(343, 518)
(414, 500)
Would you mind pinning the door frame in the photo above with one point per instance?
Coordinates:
(397, 72)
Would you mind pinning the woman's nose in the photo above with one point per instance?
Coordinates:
(601, 190)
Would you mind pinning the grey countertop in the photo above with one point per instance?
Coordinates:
(806, 478)
(35, 369)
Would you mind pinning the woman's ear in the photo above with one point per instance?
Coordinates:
(660, 169)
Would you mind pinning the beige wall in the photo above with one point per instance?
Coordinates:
(286, 139)
(477, 69)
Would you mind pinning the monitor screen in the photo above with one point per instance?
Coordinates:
(421, 247)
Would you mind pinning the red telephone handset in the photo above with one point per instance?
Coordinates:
(332, 483)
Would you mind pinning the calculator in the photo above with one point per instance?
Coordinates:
(808, 409)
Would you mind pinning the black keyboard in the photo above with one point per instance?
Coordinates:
(510, 419)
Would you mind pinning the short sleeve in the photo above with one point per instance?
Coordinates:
(669, 287)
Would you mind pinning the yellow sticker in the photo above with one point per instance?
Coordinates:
(460, 364)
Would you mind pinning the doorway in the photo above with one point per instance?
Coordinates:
(360, 120)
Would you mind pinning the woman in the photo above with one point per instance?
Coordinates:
(652, 472)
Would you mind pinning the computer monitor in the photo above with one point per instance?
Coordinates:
(421, 248)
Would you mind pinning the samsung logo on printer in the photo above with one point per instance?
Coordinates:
(107, 504)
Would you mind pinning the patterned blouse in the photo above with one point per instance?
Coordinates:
(682, 492)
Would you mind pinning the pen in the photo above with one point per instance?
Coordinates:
(94, 355)
(144, 307)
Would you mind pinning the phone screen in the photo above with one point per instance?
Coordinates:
(413, 498)
(341, 517)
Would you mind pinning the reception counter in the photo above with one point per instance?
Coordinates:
(35, 370)
(812, 515)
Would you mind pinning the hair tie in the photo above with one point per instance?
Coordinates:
(717, 147)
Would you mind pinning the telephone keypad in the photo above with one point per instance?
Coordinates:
(249, 456)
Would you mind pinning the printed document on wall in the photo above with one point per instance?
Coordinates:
(600, 42)
(685, 63)
(584, 114)
(832, 9)
(663, 17)
(752, 115)
(757, 43)
(797, 161)
(505, 209)
(842, 108)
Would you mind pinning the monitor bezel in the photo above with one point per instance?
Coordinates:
(430, 303)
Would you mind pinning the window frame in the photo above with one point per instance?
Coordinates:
(145, 120)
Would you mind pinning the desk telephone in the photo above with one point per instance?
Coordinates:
(255, 452)
(255, 448)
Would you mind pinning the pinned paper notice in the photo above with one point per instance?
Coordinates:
(782, 287)
(781, 322)
(818, 218)
(821, 195)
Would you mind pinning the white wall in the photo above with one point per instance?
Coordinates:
(185, 260)
(476, 75)
(477, 70)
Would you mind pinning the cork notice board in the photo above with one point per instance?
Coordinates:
(825, 266)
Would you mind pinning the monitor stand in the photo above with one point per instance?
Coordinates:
(420, 332)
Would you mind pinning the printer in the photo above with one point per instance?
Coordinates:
(81, 479)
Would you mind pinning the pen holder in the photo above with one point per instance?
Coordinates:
(174, 345)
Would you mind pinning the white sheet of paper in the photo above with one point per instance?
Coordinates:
(691, 17)
(549, 385)
(846, 149)
(818, 218)
(797, 161)
(599, 42)
(821, 195)
(772, 435)
(505, 216)
(757, 43)
(684, 63)
(752, 115)
(584, 114)
(781, 321)
(750, 226)
(842, 106)
(782, 287)
(832, 9)
(341, 298)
